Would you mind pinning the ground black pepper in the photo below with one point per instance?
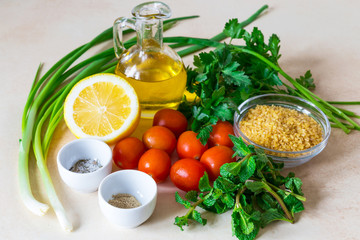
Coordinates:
(124, 200)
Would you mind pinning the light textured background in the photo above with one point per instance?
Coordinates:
(319, 35)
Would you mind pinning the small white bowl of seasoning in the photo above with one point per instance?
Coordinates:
(127, 198)
(84, 163)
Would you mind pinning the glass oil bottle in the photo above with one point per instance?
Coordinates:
(155, 71)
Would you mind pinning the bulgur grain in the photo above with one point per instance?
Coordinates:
(280, 128)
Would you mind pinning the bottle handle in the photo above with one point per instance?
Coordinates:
(119, 24)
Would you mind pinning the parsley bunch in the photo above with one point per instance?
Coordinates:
(252, 187)
(225, 77)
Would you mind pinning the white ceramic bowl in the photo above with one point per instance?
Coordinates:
(133, 182)
(85, 148)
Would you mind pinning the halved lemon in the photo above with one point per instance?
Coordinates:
(104, 106)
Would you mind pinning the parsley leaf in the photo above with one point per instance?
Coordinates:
(306, 80)
(234, 29)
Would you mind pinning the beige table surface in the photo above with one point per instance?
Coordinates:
(320, 35)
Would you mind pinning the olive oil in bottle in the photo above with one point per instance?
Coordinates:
(154, 70)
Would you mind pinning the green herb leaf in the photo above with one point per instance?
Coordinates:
(228, 200)
(292, 203)
(197, 217)
(255, 186)
(271, 215)
(233, 29)
(307, 81)
(179, 199)
(181, 221)
(204, 134)
(235, 77)
(230, 169)
(261, 159)
(245, 224)
(265, 201)
(225, 185)
(274, 46)
(192, 196)
(240, 148)
(204, 184)
(247, 169)
(294, 184)
(224, 112)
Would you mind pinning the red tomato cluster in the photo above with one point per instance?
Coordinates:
(169, 132)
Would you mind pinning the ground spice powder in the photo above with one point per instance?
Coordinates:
(124, 200)
(281, 128)
(86, 166)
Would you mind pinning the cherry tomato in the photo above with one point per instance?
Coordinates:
(186, 173)
(174, 120)
(156, 163)
(160, 138)
(188, 146)
(214, 158)
(220, 134)
(127, 152)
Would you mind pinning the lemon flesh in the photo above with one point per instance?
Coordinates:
(104, 106)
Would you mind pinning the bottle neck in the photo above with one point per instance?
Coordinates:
(150, 34)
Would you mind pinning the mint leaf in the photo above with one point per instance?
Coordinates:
(265, 201)
(204, 184)
(261, 159)
(293, 184)
(293, 204)
(241, 221)
(242, 225)
(230, 169)
(178, 199)
(197, 217)
(225, 185)
(192, 196)
(255, 186)
(228, 200)
(181, 221)
(211, 199)
(247, 169)
(240, 148)
(271, 215)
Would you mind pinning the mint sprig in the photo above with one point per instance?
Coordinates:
(252, 187)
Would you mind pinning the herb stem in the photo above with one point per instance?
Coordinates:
(193, 206)
(279, 200)
(245, 158)
(301, 198)
(238, 194)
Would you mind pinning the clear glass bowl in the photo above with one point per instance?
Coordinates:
(290, 159)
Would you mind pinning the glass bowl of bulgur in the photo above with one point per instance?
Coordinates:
(290, 129)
